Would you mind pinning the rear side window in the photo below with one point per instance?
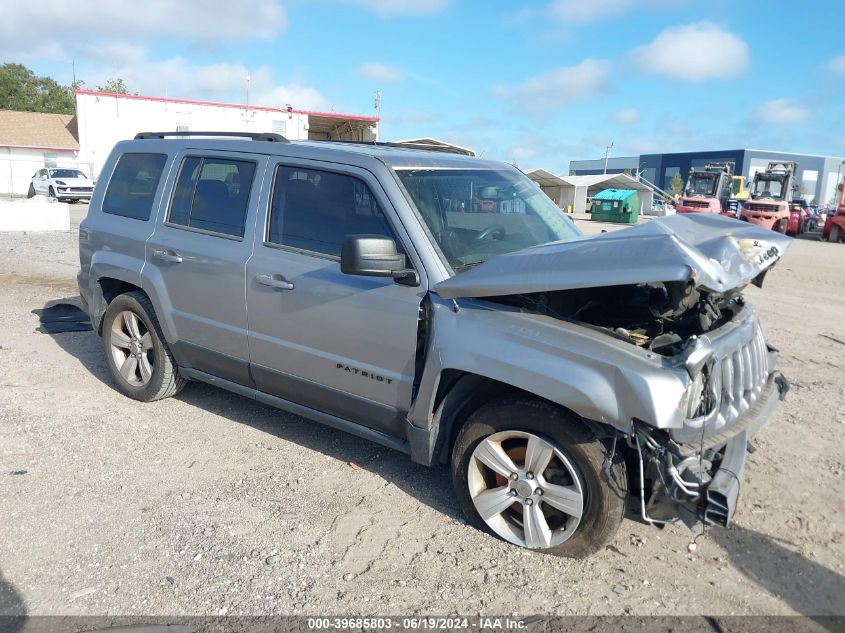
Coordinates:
(315, 210)
(212, 194)
(133, 185)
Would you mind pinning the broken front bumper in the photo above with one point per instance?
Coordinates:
(700, 483)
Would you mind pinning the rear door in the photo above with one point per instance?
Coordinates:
(337, 343)
(197, 258)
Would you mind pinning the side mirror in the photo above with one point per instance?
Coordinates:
(373, 256)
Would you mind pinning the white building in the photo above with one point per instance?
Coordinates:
(105, 118)
(30, 141)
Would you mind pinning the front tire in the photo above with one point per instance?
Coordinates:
(51, 195)
(532, 474)
(834, 234)
(136, 352)
(31, 191)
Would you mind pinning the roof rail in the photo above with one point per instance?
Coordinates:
(270, 137)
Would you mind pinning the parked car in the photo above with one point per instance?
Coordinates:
(558, 376)
(58, 183)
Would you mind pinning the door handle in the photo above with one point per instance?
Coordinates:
(274, 282)
(168, 256)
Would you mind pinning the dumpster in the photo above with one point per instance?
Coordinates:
(616, 205)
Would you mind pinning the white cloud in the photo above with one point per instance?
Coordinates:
(558, 88)
(837, 64)
(627, 116)
(178, 78)
(782, 111)
(380, 73)
(694, 52)
(89, 28)
(388, 8)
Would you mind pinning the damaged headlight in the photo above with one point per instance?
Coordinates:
(695, 393)
(701, 397)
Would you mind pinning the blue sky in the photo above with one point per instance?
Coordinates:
(538, 83)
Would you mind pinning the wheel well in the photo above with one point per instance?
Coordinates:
(460, 394)
(114, 287)
(109, 289)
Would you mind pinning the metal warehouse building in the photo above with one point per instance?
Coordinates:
(817, 175)
(30, 141)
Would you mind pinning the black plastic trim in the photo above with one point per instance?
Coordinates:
(375, 415)
(270, 137)
(341, 424)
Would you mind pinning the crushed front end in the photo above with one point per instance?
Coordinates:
(694, 473)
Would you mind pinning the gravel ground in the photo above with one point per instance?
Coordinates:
(209, 503)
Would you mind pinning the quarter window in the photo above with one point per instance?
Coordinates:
(212, 194)
(133, 185)
(315, 210)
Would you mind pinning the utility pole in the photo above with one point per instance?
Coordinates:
(606, 155)
(246, 112)
(377, 107)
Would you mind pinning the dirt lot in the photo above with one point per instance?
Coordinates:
(210, 503)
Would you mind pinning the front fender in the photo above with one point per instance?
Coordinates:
(588, 372)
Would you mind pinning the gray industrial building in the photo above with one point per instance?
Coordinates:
(817, 175)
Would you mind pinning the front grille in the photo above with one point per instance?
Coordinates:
(736, 378)
(740, 377)
(80, 189)
(768, 208)
(696, 204)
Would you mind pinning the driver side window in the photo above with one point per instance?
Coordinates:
(314, 210)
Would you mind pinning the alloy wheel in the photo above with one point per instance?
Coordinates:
(132, 350)
(526, 489)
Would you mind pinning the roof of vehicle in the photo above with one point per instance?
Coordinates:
(392, 155)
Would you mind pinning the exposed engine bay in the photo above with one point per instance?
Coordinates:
(658, 316)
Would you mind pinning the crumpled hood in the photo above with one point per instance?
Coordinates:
(717, 253)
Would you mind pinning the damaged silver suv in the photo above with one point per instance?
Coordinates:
(443, 306)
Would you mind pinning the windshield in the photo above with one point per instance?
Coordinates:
(66, 173)
(767, 187)
(476, 214)
(701, 185)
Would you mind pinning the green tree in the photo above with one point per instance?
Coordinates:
(21, 89)
(115, 86)
(676, 185)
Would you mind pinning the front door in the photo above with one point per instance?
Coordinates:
(199, 252)
(39, 183)
(340, 344)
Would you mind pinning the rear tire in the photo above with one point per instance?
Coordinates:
(579, 506)
(137, 354)
(834, 234)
